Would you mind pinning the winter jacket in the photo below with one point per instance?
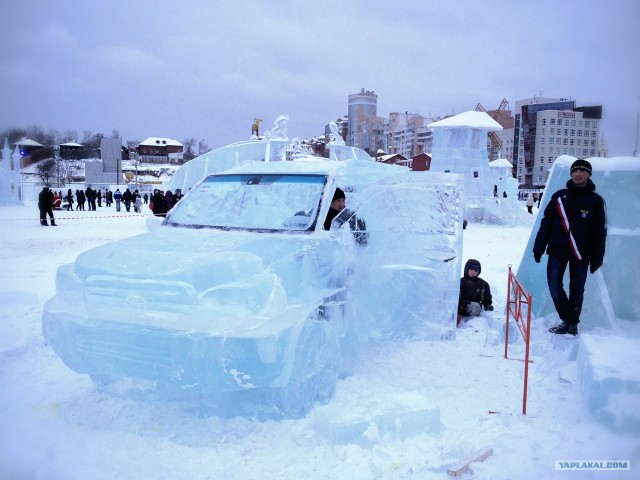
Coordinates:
(45, 199)
(473, 289)
(356, 224)
(574, 226)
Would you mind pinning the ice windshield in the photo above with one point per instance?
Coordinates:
(251, 202)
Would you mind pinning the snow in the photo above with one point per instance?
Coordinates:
(56, 424)
(470, 119)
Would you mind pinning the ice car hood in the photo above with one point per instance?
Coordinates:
(200, 257)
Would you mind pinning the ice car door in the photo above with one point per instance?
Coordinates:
(406, 280)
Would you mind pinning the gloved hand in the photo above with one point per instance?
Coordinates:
(537, 256)
(488, 308)
(593, 267)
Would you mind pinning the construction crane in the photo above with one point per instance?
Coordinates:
(496, 143)
(255, 128)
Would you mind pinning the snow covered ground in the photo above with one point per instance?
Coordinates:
(55, 424)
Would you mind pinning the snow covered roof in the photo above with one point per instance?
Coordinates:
(470, 119)
(27, 142)
(159, 141)
(501, 162)
(70, 144)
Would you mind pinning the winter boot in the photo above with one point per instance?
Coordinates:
(53, 223)
(44, 222)
(564, 327)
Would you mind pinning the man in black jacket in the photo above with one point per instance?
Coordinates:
(340, 214)
(475, 293)
(45, 205)
(573, 231)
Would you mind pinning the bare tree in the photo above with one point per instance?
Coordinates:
(46, 170)
(189, 147)
(202, 147)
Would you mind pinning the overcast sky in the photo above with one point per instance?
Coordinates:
(206, 68)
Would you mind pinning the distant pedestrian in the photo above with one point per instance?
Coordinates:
(81, 198)
(45, 205)
(90, 193)
(99, 197)
(69, 199)
(145, 197)
(137, 202)
(127, 198)
(530, 203)
(573, 232)
(158, 204)
(117, 197)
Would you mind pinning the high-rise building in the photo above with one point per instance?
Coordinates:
(365, 128)
(546, 128)
(407, 134)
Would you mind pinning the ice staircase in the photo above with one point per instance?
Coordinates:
(610, 379)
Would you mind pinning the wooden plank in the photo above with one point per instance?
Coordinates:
(463, 466)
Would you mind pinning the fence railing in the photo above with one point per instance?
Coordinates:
(518, 300)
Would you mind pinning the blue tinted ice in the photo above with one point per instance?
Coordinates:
(243, 303)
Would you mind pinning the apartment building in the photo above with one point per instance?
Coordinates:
(546, 128)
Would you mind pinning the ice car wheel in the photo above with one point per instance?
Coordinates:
(315, 371)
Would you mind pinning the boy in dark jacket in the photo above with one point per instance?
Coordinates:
(573, 231)
(475, 293)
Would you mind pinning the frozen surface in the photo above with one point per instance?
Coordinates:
(399, 415)
(57, 425)
(610, 379)
(241, 291)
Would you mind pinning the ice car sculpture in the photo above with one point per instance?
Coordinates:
(241, 301)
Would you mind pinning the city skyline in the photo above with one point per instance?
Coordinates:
(206, 72)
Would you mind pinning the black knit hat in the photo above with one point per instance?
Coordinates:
(338, 195)
(581, 164)
(472, 264)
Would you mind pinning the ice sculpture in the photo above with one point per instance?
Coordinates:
(460, 146)
(242, 294)
(611, 309)
(10, 175)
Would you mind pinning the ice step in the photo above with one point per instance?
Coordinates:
(399, 414)
(610, 380)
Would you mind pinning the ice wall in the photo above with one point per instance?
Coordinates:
(611, 294)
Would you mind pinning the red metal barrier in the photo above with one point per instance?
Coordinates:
(517, 298)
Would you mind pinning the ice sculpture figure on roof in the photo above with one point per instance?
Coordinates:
(460, 146)
(279, 129)
(334, 134)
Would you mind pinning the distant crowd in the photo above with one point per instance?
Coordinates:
(159, 202)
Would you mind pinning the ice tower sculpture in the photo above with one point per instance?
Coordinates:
(503, 179)
(460, 146)
(10, 175)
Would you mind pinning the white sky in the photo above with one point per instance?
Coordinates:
(205, 69)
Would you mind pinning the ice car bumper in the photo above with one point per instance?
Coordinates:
(194, 360)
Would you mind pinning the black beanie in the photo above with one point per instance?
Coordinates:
(473, 264)
(338, 195)
(581, 164)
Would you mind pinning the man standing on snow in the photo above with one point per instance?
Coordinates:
(45, 205)
(573, 231)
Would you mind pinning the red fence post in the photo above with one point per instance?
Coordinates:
(517, 297)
